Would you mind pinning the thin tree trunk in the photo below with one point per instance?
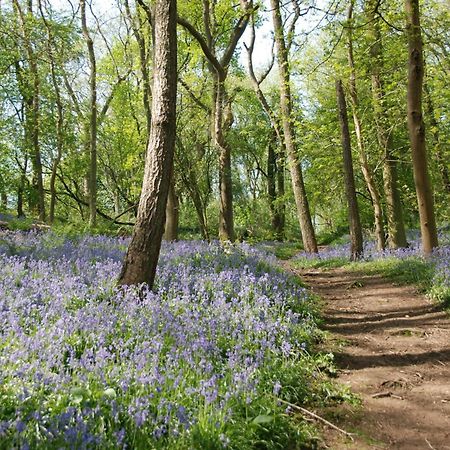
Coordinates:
(350, 190)
(363, 161)
(21, 188)
(32, 115)
(60, 117)
(143, 252)
(172, 214)
(281, 204)
(441, 163)
(275, 183)
(394, 210)
(4, 199)
(219, 72)
(92, 183)
(416, 128)
(143, 63)
(226, 221)
(298, 186)
(275, 162)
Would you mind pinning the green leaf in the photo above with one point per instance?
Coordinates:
(77, 394)
(109, 393)
(258, 420)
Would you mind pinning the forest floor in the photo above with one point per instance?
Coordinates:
(392, 348)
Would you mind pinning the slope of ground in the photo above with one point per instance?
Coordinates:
(395, 353)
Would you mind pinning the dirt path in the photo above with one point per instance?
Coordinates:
(396, 357)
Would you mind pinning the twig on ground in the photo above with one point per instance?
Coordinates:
(386, 394)
(321, 419)
(429, 445)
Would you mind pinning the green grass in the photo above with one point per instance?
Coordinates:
(411, 270)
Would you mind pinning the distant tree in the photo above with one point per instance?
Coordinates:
(218, 67)
(29, 83)
(394, 209)
(416, 128)
(92, 180)
(350, 190)
(143, 252)
(298, 185)
(363, 159)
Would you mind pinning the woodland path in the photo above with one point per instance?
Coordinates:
(393, 350)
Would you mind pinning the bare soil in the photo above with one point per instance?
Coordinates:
(393, 350)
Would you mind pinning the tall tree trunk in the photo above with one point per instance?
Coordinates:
(143, 252)
(21, 188)
(219, 72)
(275, 189)
(394, 210)
(416, 128)
(59, 113)
(137, 25)
(350, 190)
(4, 199)
(441, 163)
(32, 112)
(298, 186)
(281, 204)
(363, 161)
(59, 149)
(172, 214)
(275, 162)
(226, 222)
(92, 183)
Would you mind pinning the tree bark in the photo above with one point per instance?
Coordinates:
(219, 72)
(59, 112)
(143, 62)
(394, 210)
(172, 214)
(416, 128)
(298, 186)
(4, 199)
(31, 93)
(226, 221)
(275, 189)
(143, 253)
(363, 161)
(350, 190)
(275, 160)
(92, 182)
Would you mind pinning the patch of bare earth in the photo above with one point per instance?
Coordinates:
(396, 356)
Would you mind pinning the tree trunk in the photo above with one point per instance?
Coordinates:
(394, 210)
(32, 114)
(143, 253)
(416, 128)
(219, 72)
(4, 200)
(281, 204)
(363, 161)
(143, 63)
(59, 140)
(275, 184)
(353, 211)
(441, 163)
(21, 189)
(172, 214)
(275, 162)
(226, 222)
(301, 200)
(92, 183)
